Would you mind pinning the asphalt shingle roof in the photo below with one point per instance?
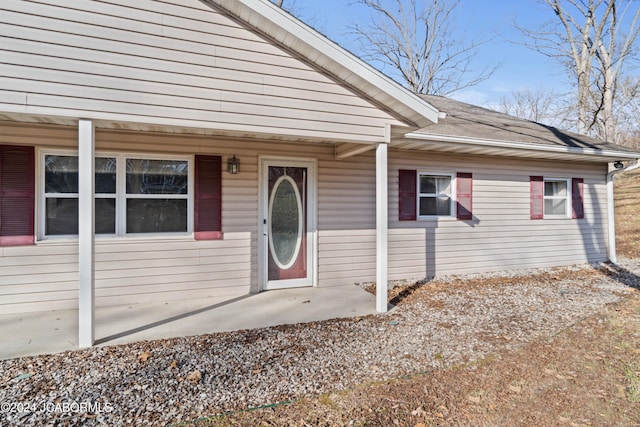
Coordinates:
(467, 120)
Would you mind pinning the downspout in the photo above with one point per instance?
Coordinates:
(610, 210)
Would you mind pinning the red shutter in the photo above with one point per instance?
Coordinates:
(464, 196)
(208, 198)
(17, 189)
(577, 196)
(407, 195)
(537, 197)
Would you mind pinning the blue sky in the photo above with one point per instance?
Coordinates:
(521, 67)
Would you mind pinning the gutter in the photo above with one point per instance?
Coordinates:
(522, 146)
(610, 210)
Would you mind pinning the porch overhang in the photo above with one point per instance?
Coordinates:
(346, 145)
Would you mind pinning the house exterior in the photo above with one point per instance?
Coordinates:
(234, 150)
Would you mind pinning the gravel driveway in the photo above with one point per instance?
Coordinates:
(447, 321)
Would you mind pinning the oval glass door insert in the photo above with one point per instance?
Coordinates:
(285, 222)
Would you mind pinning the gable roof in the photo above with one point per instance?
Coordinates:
(303, 40)
(229, 68)
(471, 126)
(464, 128)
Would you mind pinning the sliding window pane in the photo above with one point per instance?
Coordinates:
(555, 207)
(105, 216)
(156, 215)
(432, 206)
(435, 184)
(61, 217)
(555, 188)
(105, 175)
(61, 174)
(157, 176)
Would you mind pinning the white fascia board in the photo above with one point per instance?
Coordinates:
(508, 145)
(304, 40)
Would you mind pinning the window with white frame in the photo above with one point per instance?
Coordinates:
(556, 197)
(134, 194)
(435, 196)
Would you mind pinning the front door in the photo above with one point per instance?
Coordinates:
(287, 226)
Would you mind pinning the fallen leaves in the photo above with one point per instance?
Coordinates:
(515, 388)
(194, 376)
(143, 357)
(418, 412)
(474, 399)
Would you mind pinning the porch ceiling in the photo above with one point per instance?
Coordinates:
(303, 137)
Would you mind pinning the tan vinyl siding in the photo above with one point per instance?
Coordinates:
(180, 64)
(45, 276)
(347, 197)
(501, 235)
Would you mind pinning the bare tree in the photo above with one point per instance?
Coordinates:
(534, 105)
(587, 39)
(301, 12)
(613, 51)
(417, 38)
(540, 106)
(626, 112)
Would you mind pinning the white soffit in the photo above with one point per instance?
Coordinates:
(307, 42)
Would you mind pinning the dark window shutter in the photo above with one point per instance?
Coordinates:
(208, 198)
(577, 196)
(17, 195)
(407, 194)
(464, 195)
(537, 197)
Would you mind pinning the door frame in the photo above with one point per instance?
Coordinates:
(312, 225)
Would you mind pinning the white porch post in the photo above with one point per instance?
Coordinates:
(86, 229)
(382, 222)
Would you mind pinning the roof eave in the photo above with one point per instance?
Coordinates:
(510, 148)
(305, 41)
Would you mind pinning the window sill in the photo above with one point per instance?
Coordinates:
(109, 240)
(435, 218)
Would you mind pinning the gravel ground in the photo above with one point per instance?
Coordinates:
(453, 320)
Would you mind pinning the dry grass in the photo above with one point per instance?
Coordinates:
(627, 191)
(588, 374)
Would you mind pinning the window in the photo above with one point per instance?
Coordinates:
(133, 195)
(556, 197)
(61, 195)
(157, 196)
(435, 197)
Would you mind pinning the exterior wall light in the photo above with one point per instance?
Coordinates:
(618, 165)
(233, 165)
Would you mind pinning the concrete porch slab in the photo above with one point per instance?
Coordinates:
(25, 334)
